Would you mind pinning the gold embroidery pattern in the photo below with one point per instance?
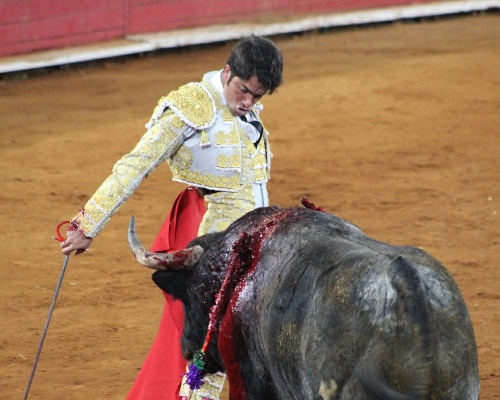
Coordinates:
(183, 157)
(192, 103)
(226, 139)
(199, 116)
(204, 141)
(223, 208)
(227, 116)
(231, 184)
(228, 162)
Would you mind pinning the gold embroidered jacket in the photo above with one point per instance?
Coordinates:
(202, 142)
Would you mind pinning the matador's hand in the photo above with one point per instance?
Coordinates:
(75, 241)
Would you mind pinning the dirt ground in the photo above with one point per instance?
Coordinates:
(394, 127)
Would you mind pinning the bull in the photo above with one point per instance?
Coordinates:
(306, 306)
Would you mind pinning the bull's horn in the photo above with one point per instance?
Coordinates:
(161, 261)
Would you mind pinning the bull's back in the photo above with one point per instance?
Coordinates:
(329, 299)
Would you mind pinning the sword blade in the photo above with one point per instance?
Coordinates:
(45, 329)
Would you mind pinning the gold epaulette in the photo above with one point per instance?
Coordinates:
(192, 103)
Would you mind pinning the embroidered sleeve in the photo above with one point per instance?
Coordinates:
(161, 140)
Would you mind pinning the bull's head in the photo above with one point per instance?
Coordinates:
(184, 276)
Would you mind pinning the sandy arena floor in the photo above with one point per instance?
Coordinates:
(393, 127)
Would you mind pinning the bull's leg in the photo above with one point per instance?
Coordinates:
(257, 384)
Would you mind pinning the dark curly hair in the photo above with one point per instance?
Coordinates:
(257, 56)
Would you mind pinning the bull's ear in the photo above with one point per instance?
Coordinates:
(173, 282)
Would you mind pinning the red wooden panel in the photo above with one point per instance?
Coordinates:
(224, 7)
(12, 11)
(12, 33)
(75, 24)
(167, 15)
(90, 37)
(159, 16)
(105, 18)
(50, 9)
(155, 15)
(15, 48)
(55, 27)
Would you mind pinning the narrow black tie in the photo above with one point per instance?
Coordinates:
(257, 125)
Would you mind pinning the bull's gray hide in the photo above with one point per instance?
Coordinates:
(321, 311)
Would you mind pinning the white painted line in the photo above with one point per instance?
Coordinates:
(71, 55)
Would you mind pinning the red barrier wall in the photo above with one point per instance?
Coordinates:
(30, 25)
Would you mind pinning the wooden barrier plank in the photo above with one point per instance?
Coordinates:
(31, 25)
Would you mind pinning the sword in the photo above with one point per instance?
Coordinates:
(60, 238)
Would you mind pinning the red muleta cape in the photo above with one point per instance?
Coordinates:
(161, 373)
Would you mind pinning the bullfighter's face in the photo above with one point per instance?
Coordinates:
(240, 95)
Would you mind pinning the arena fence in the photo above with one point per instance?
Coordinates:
(43, 33)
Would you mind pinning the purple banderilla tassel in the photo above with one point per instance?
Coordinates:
(196, 372)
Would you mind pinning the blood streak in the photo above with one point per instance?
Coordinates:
(243, 263)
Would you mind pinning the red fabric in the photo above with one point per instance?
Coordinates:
(161, 373)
